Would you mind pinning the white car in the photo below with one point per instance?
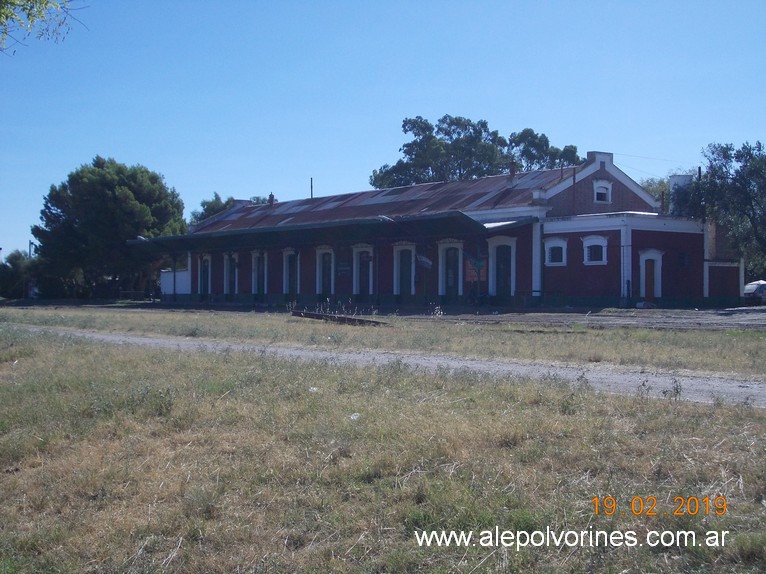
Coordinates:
(755, 292)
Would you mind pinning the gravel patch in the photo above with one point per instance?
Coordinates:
(740, 318)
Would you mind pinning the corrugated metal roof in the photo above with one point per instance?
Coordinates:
(494, 192)
(357, 230)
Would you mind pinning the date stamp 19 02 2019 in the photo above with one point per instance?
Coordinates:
(647, 506)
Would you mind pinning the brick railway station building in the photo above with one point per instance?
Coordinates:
(577, 236)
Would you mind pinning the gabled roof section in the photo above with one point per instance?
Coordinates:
(596, 160)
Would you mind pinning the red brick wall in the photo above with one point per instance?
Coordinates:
(245, 270)
(274, 273)
(427, 280)
(216, 274)
(524, 260)
(581, 200)
(577, 279)
(344, 267)
(308, 266)
(724, 281)
(682, 262)
(383, 272)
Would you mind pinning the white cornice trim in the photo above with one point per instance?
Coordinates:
(610, 221)
(507, 214)
(612, 170)
(566, 183)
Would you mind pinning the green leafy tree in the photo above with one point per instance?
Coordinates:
(14, 275)
(533, 151)
(659, 187)
(211, 207)
(21, 18)
(87, 220)
(732, 192)
(457, 148)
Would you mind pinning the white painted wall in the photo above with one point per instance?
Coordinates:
(182, 280)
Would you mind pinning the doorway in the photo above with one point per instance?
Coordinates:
(504, 272)
(650, 269)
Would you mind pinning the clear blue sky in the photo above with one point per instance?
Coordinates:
(253, 97)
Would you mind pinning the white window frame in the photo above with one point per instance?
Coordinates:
(643, 256)
(398, 248)
(550, 243)
(357, 252)
(592, 240)
(256, 255)
(209, 260)
(602, 184)
(228, 259)
(443, 246)
(320, 251)
(286, 252)
(493, 243)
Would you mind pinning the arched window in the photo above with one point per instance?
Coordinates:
(502, 266)
(602, 191)
(291, 272)
(555, 252)
(260, 268)
(204, 276)
(451, 268)
(594, 250)
(404, 269)
(650, 273)
(325, 276)
(230, 273)
(362, 278)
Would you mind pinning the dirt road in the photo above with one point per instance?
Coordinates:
(698, 387)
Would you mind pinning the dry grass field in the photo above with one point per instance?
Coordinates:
(737, 351)
(123, 459)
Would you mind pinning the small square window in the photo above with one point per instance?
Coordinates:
(602, 191)
(595, 253)
(556, 254)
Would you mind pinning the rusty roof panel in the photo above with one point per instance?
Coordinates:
(501, 191)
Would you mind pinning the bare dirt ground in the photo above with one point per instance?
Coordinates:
(693, 386)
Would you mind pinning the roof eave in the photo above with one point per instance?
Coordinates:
(380, 227)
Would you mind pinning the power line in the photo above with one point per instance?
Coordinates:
(650, 158)
(623, 166)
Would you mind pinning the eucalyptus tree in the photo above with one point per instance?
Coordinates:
(21, 18)
(457, 148)
(732, 192)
